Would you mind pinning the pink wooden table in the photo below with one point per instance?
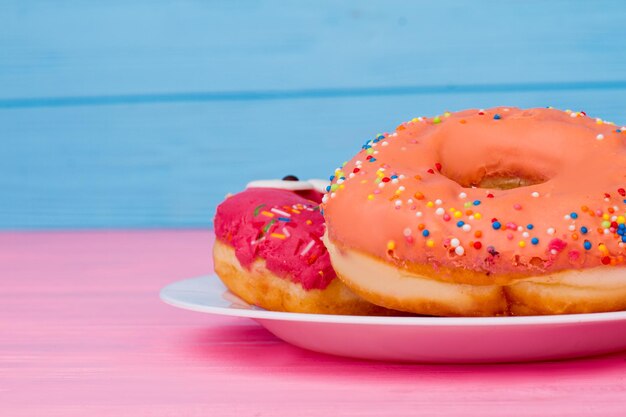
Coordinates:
(83, 333)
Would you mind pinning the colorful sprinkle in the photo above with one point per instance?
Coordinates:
(534, 241)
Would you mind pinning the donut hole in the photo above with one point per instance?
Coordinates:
(497, 178)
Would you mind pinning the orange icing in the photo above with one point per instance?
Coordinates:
(412, 195)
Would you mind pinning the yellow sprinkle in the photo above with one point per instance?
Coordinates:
(602, 248)
(605, 216)
(295, 211)
(599, 121)
(451, 209)
(370, 197)
(391, 245)
(342, 186)
(309, 222)
(458, 214)
(621, 219)
(521, 243)
(478, 216)
(278, 235)
(430, 204)
(430, 243)
(267, 213)
(447, 114)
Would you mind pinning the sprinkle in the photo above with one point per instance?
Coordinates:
(370, 197)
(477, 202)
(454, 242)
(436, 119)
(521, 244)
(438, 202)
(419, 195)
(477, 245)
(534, 194)
(268, 225)
(517, 206)
(496, 225)
(459, 250)
(425, 233)
(600, 136)
(278, 235)
(584, 230)
(534, 241)
(284, 219)
(430, 243)
(606, 260)
(440, 211)
(497, 117)
(462, 195)
(418, 214)
(391, 245)
(460, 223)
(573, 215)
(466, 227)
(307, 248)
(286, 232)
(257, 209)
(551, 230)
(458, 214)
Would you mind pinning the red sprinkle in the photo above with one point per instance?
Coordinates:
(386, 179)
(621, 192)
(438, 166)
(355, 170)
(489, 195)
(478, 245)
(430, 171)
(606, 260)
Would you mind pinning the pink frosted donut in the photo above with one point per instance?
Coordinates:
(269, 252)
(495, 212)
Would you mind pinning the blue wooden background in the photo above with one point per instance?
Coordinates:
(146, 113)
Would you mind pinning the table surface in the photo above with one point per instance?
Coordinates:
(84, 333)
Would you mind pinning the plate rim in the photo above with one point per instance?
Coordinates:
(561, 319)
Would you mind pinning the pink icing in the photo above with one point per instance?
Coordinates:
(282, 227)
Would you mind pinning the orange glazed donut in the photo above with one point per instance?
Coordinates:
(485, 212)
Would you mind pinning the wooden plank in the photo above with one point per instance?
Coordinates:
(84, 334)
(82, 48)
(170, 164)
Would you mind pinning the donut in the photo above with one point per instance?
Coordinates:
(492, 212)
(268, 251)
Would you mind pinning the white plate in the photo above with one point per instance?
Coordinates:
(417, 339)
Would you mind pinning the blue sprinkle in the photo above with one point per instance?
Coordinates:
(460, 223)
(624, 201)
(328, 188)
(425, 232)
(621, 226)
(620, 232)
(373, 160)
(332, 177)
(584, 230)
(284, 219)
(573, 215)
(393, 177)
(497, 117)
(624, 239)
(496, 225)
(587, 245)
(534, 241)
(530, 226)
(476, 202)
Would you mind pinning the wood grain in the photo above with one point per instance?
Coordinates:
(84, 333)
(146, 114)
